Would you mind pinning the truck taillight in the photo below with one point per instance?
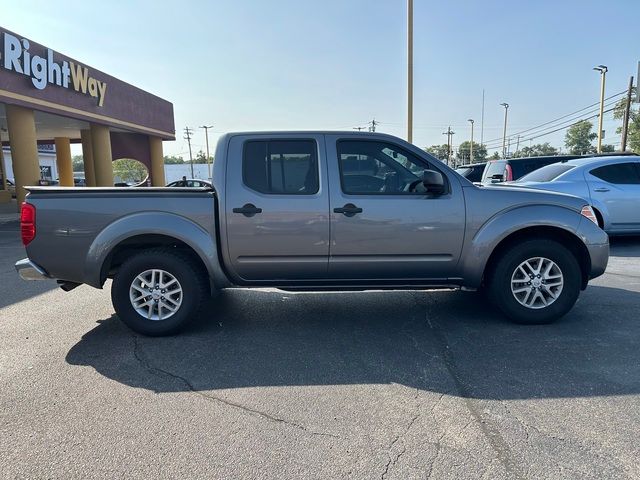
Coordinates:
(27, 223)
(508, 173)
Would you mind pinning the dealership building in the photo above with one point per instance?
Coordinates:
(49, 101)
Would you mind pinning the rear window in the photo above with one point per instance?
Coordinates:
(548, 173)
(494, 168)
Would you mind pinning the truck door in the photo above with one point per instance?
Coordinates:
(381, 228)
(277, 207)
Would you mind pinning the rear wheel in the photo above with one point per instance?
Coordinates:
(535, 282)
(158, 292)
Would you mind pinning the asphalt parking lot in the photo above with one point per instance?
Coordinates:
(346, 385)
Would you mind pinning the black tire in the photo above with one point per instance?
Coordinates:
(189, 274)
(499, 281)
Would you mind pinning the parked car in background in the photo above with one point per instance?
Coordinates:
(191, 183)
(611, 184)
(79, 182)
(472, 171)
(510, 169)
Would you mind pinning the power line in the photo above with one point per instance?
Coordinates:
(557, 119)
(565, 124)
(560, 128)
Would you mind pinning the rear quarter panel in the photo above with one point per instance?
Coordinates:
(70, 237)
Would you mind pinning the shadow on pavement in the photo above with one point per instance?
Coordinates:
(625, 246)
(12, 288)
(440, 341)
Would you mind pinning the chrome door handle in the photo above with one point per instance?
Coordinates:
(349, 210)
(248, 210)
(601, 189)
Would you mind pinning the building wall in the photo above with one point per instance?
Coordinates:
(47, 161)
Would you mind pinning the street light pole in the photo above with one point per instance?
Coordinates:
(603, 73)
(409, 71)
(504, 132)
(206, 136)
(471, 144)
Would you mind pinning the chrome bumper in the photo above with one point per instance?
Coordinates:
(30, 271)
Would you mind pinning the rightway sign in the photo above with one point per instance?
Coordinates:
(15, 56)
(37, 77)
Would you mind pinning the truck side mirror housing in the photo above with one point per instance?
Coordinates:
(434, 182)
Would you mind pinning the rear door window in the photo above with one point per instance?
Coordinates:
(620, 174)
(281, 167)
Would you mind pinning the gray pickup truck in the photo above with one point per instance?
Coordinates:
(314, 211)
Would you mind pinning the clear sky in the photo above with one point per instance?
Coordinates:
(336, 64)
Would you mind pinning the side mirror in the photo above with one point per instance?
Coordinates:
(434, 182)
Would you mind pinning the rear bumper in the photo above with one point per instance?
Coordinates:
(30, 271)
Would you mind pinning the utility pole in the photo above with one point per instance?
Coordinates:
(410, 71)
(471, 144)
(518, 144)
(504, 132)
(187, 136)
(372, 127)
(482, 121)
(627, 114)
(206, 136)
(449, 133)
(603, 74)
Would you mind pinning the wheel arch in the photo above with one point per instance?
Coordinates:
(150, 230)
(560, 235)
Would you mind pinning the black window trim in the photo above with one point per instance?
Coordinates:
(268, 140)
(400, 149)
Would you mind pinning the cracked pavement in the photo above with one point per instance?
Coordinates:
(393, 385)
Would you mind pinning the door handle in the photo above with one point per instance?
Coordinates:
(349, 210)
(601, 189)
(248, 210)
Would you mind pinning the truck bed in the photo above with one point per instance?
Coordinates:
(69, 220)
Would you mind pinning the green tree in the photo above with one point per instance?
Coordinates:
(172, 160)
(537, 150)
(129, 170)
(579, 137)
(78, 163)
(438, 151)
(202, 158)
(479, 152)
(608, 148)
(495, 156)
(633, 134)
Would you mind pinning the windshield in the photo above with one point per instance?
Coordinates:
(548, 173)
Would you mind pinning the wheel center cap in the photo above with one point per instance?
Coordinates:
(155, 295)
(536, 282)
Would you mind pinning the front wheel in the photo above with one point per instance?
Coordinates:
(158, 292)
(535, 282)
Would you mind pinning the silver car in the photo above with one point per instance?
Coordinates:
(610, 184)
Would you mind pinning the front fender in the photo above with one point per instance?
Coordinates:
(485, 240)
(146, 223)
